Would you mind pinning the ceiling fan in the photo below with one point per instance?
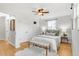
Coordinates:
(41, 11)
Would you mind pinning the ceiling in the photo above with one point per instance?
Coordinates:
(24, 10)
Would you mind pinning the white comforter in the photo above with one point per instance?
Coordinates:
(53, 40)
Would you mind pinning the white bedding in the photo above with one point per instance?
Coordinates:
(57, 38)
(53, 40)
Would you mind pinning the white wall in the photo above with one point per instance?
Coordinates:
(24, 31)
(25, 28)
(65, 22)
(75, 42)
(2, 28)
(75, 32)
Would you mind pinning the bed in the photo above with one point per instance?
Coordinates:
(54, 41)
(36, 49)
(42, 45)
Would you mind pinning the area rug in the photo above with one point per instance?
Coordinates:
(34, 51)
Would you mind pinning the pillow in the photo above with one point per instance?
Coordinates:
(53, 32)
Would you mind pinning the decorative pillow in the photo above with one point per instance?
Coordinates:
(52, 32)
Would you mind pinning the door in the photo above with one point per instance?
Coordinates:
(12, 32)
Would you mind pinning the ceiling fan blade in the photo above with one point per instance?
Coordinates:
(45, 12)
(33, 11)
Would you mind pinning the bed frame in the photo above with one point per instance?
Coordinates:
(46, 46)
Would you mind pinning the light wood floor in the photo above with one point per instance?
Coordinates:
(8, 50)
(65, 49)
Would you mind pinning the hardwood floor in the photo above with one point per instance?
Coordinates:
(65, 49)
(6, 49)
(22, 46)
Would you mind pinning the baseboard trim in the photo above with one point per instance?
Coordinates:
(10, 43)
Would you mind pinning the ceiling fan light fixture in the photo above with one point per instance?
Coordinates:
(39, 14)
(41, 11)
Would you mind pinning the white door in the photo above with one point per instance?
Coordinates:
(12, 32)
(10, 35)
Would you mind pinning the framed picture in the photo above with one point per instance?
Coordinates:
(12, 25)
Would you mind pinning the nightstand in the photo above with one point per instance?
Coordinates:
(64, 38)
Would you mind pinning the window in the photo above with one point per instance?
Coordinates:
(52, 24)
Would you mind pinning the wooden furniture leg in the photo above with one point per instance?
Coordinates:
(46, 52)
